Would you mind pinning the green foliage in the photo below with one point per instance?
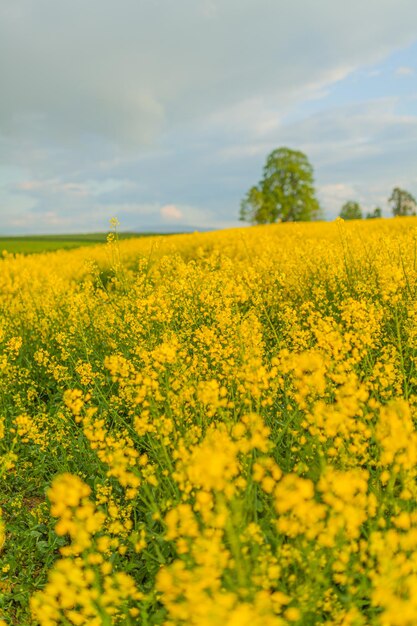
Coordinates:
(286, 192)
(376, 213)
(351, 211)
(402, 203)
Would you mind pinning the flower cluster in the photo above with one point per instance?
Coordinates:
(217, 428)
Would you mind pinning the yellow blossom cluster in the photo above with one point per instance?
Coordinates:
(82, 587)
(216, 428)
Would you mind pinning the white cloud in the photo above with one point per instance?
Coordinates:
(336, 135)
(59, 187)
(337, 193)
(37, 221)
(125, 72)
(405, 71)
(171, 212)
(334, 195)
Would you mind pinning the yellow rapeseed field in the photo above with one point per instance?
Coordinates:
(213, 429)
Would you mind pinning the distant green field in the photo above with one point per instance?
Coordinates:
(47, 243)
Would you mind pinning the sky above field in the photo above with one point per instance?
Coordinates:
(162, 112)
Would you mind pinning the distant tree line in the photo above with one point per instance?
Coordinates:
(402, 203)
(286, 193)
(353, 211)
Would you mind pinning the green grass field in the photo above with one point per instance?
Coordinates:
(47, 243)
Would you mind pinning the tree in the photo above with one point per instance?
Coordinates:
(402, 202)
(285, 193)
(377, 212)
(351, 211)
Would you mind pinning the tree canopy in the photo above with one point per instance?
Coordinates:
(402, 202)
(285, 193)
(351, 211)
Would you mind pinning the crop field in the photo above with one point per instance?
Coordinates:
(213, 429)
(45, 243)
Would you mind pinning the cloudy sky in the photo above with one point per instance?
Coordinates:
(162, 112)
